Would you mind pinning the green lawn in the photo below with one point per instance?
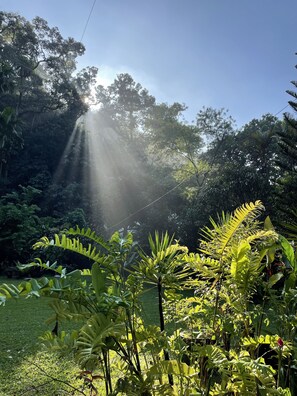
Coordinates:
(24, 366)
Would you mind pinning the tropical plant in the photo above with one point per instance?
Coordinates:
(230, 286)
(224, 340)
(20, 225)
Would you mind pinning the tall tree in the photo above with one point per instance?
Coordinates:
(180, 148)
(10, 138)
(287, 160)
(126, 103)
(42, 62)
(244, 165)
(41, 98)
(42, 80)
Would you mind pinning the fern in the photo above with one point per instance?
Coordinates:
(218, 238)
(89, 234)
(73, 245)
(94, 336)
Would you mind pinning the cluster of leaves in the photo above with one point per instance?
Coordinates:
(234, 334)
(146, 148)
(41, 97)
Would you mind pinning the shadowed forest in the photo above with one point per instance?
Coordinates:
(127, 162)
(79, 156)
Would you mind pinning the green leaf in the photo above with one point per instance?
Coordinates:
(290, 281)
(239, 259)
(274, 279)
(171, 367)
(2, 300)
(241, 214)
(98, 280)
(268, 224)
(288, 251)
(88, 233)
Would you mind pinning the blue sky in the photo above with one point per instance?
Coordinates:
(237, 54)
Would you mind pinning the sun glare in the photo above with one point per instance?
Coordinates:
(96, 152)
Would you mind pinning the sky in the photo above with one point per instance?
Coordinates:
(236, 54)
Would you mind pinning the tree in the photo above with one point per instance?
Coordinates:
(189, 154)
(19, 225)
(287, 160)
(10, 138)
(116, 143)
(38, 79)
(42, 63)
(244, 166)
(126, 103)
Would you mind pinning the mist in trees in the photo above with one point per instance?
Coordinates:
(131, 162)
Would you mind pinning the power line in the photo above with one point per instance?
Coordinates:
(87, 22)
(281, 110)
(167, 192)
(172, 189)
(149, 204)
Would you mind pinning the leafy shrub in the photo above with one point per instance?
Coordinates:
(217, 341)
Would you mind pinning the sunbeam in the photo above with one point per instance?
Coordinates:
(97, 153)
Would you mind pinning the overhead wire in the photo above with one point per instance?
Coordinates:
(149, 204)
(281, 110)
(173, 188)
(165, 194)
(87, 22)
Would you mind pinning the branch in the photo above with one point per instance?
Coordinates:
(52, 378)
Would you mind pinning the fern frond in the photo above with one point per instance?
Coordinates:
(89, 234)
(207, 267)
(269, 236)
(218, 238)
(244, 213)
(71, 244)
(245, 269)
(93, 337)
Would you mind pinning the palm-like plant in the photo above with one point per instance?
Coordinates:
(102, 299)
(165, 268)
(235, 248)
(229, 270)
(221, 318)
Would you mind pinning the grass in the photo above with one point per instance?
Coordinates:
(26, 369)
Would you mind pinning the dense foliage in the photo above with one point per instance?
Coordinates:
(227, 322)
(133, 162)
(227, 314)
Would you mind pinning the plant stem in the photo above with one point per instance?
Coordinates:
(126, 357)
(107, 370)
(162, 324)
(135, 349)
(279, 367)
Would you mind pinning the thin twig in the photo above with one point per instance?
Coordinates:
(56, 379)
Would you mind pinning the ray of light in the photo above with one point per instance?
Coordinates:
(107, 170)
(110, 180)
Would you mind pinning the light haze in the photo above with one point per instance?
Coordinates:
(221, 53)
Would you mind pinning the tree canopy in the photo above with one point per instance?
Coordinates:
(132, 161)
